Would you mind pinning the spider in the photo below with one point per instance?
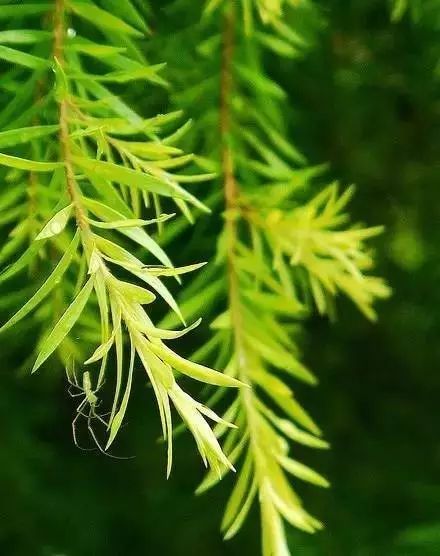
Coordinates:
(90, 400)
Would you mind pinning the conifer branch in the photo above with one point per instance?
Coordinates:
(280, 256)
(97, 176)
(99, 145)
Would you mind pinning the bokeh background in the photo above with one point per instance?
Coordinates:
(365, 98)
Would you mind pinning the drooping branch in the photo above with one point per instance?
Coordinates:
(232, 202)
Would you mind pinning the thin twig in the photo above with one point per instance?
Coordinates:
(59, 34)
(231, 191)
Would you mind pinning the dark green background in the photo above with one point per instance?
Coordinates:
(365, 99)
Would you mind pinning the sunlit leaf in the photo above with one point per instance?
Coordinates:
(63, 326)
(30, 165)
(56, 224)
(51, 283)
(24, 36)
(22, 58)
(102, 18)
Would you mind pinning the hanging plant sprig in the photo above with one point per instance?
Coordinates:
(284, 251)
(108, 164)
(263, 451)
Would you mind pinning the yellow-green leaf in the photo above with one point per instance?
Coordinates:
(127, 176)
(30, 165)
(103, 19)
(101, 351)
(22, 59)
(22, 10)
(135, 293)
(56, 224)
(14, 137)
(47, 287)
(119, 417)
(303, 472)
(24, 36)
(194, 370)
(64, 325)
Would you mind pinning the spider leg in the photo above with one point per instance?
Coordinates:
(103, 421)
(81, 406)
(95, 415)
(100, 448)
(70, 381)
(75, 440)
(73, 394)
(73, 382)
(80, 413)
(68, 373)
(76, 379)
(91, 413)
(95, 392)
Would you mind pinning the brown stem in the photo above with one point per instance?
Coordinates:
(231, 191)
(226, 86)
(59, 34)
(233, 211)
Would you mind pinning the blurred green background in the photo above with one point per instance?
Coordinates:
(365, 98)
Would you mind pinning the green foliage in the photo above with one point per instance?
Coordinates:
(283, 251)
(109, 163)
(77, 207)
(420, 10)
